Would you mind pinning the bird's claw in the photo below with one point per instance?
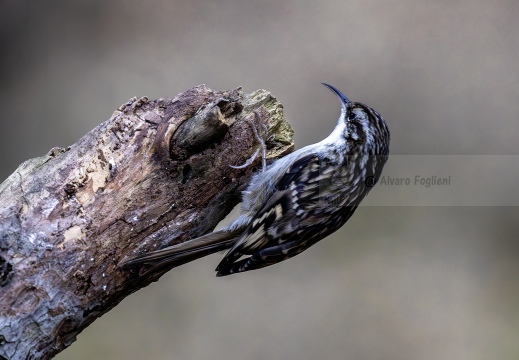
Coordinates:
(260, 131)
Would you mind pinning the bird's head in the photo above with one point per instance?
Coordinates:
(362, 127)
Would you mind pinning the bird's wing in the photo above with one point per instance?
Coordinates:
(298, 199)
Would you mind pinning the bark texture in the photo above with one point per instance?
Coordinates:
(157, 173)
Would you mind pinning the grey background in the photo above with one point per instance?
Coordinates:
(395, 282)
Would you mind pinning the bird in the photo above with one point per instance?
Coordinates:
(295, 201)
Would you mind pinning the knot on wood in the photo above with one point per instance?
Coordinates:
(6, 271)
(208, 126)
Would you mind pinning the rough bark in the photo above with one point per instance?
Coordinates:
(157, 173)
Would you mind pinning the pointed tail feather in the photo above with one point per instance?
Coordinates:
(170, 257)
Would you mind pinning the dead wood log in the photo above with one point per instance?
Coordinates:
(157, 173)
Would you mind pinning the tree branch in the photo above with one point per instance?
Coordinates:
(157, 173)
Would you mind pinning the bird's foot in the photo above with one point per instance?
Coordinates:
(260, 131)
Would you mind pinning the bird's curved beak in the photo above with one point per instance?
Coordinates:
(344, 100)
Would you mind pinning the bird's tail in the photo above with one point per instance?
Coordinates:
(163, 260)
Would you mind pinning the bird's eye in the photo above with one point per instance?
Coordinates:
(353, 116)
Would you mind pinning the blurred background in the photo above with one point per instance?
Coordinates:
(396, 282)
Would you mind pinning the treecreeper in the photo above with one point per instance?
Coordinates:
(293, 203)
